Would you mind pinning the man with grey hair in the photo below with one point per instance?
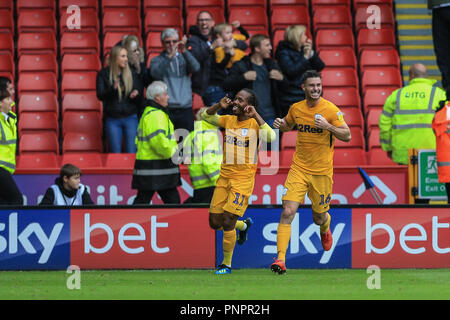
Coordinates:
(154, 170)
(174, 66)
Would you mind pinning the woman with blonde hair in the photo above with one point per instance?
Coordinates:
(295, 55)
(136, 58)
(119, 88)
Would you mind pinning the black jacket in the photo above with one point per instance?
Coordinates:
(198, 45)
(112, 107)
(293, 64)
(236, 81)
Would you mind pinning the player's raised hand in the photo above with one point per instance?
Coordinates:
(320, 122)
(225, 102)
(250, 111)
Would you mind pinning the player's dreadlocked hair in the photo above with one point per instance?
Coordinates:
(310, 74)
(252, 99)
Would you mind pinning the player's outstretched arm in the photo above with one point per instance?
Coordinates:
(269, 135)
(282, 125)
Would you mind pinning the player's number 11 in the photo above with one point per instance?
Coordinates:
(236, 201)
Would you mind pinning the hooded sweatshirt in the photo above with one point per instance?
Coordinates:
(175, 73)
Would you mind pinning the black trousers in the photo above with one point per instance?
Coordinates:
(9, 192)
(203, 195)
(182, 118)
(167, 196)
(441, 36)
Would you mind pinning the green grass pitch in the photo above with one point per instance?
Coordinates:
(250, 284)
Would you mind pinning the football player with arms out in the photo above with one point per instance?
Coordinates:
(319, 122)
(243, 130)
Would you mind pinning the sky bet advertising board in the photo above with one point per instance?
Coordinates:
(169, 238)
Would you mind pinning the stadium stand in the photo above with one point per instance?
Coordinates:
(37, 161)
(54, 66)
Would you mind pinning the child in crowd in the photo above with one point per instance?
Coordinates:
(67, 190)
(232, 47)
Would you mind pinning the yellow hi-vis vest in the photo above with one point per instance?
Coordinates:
(203, 149)
(8, 141)
(405, 122)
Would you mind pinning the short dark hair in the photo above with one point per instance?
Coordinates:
(204, 11)
(310, 74)
(69, 170)
(4, 81)
(4, 94)
(252, 99)
(256, 40)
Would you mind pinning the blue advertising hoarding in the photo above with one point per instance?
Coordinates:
(304, 250)
(34, 239)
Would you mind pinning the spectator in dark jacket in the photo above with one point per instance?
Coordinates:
(201, 44)
(118, 87)
(259, 72)
(295, 55)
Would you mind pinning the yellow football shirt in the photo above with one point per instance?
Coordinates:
(314, 149)
(240, 147)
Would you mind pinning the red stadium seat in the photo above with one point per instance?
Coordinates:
(340, 58)
(83, 160)
(349, 157)
(80, 62)
(150, 56)
(83, 4)
(287, 3)
(121, 4)
(373, 119)
(381, 77)
(23, 5)
(81, 142)
(81, 121)
(150, 4)
(41, 42)
(120, 160)
(286, 157)
(79, 42)
(197, 102)
(332, 17)
(37, 82)
(344, 77)
(289, 140)
(7, 5)
(89, 21)
(379, 58)
(357, 140)
(343, 97)
(330, 3)
(37, 121)
(153, 42)
(334, 38)
(83, 101)
(78, 81)
(376, 39)
(366, 3)
(122, 20)
(159, 19)
(204, 3)
(217, 13)
(6, 22)
(39, 142)
(353, 117)
(362, 15)
(375, 98)
(246, 3)
(7, 64)
(252, 18)
(283, 17)
(277, 36)
(38, 63)
(36, 21)
(373, 139)
(6, 43)
(378, 157)
(38, 102)
(37, 161)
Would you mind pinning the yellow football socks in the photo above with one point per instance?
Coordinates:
(283, 237)
(229, 241)
(326, 226)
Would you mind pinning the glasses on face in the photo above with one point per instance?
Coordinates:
(170, 41)
(204, 20)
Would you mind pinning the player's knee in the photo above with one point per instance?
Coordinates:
(214, 222)
(288, 213)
